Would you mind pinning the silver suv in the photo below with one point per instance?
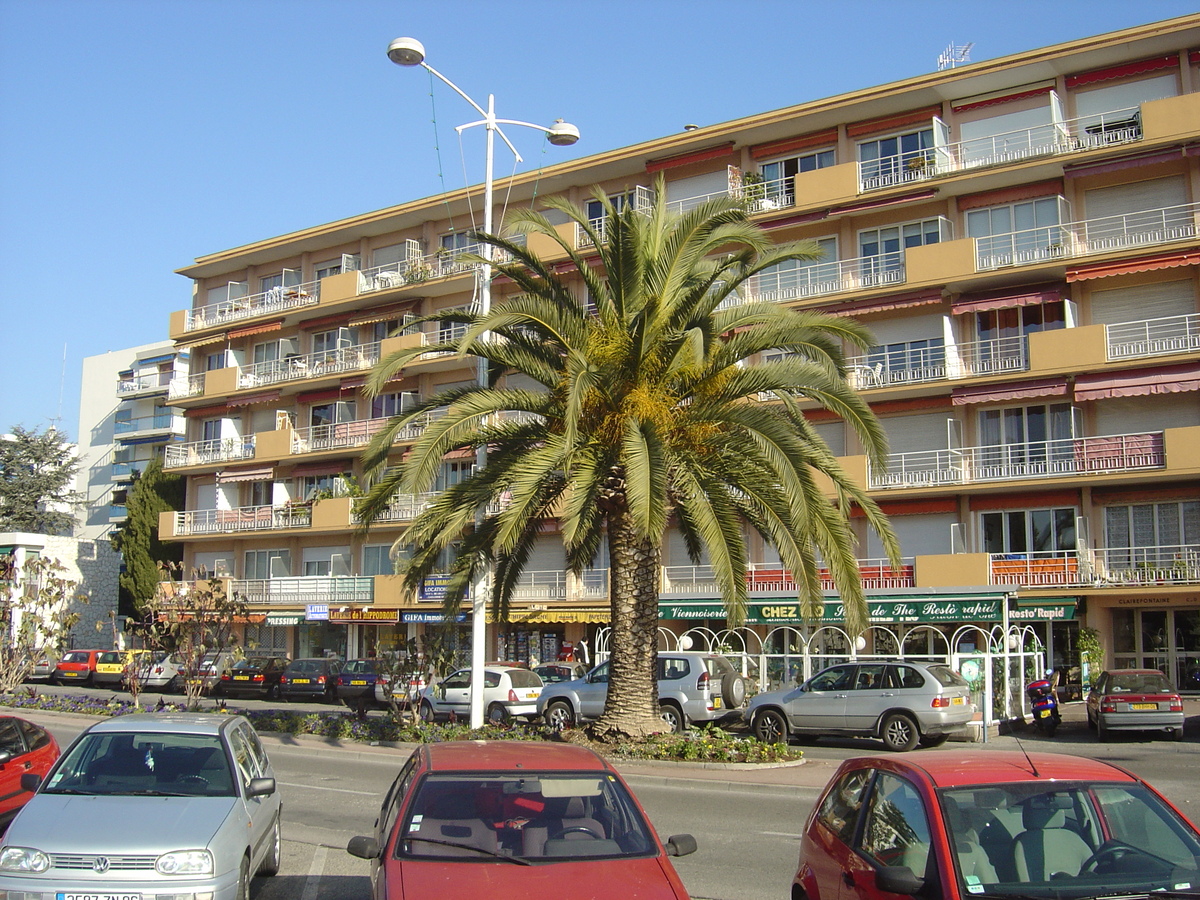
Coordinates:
(693, 686)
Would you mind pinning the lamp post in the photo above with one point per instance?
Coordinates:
(407, 51)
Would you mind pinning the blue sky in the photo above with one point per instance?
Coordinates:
(136, 135)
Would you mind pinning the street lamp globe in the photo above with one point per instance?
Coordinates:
(562, 134)
(406, 51)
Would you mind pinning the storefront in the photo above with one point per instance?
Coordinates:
(1153, 631)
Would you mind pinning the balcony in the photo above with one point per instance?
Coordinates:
(419, 268)
(124, 471)
(403, 507)
(1154, 337)
(246, 518)
(560, 585)
(201, 453)
(918, 362)
(641, 198)
(345, 435)
(146, 425)
(1042, 568)
(183, 388)
(302, 590)
(144, 386)
(876, 574)
(818, 279)
(1010, 462)
(1088, 237)
(234, 309)
(314, 365)
(1079, 135)
(1169, 564)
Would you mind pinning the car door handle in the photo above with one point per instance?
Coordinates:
(28, 764)
(888, 694)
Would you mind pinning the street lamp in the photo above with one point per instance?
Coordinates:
(406, 51)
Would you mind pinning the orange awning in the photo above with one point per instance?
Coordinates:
(261, 328)
(1133, 266)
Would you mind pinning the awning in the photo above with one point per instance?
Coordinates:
(150, 360)
(322, 468)
(882, 202)
(1139, 382)
(202, 412)
(575, 614)
(1010, 194)
(961, 106)
(1019, 390)
(318, 396)
(1008, 299)
(791, 145)
(686, 159)
(199, 342)
(382, 314)
(251, 399)
(1124, 71)
(261, 328)
(463, 453)
(232, 476)
(900, 301)
(1079, 170)
(1133, 266)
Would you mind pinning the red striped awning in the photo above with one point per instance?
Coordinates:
(1124, 71)
(231, 476)
(694, 156)
(1006, 98)
(1017, 390)
(1138, 382)
(322, 468)
(901, 301)
(790, 145)
(261, 328)
(1008, 299)
(1136, 161)
(251, 399)
(1133, 266)
(1016, 194)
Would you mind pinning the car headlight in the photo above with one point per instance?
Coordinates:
(23, 859)
(185, 862)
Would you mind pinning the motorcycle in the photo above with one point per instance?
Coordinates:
(1044, 700)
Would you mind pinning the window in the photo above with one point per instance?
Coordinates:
(264, 564)
(1173, 527)
(452, 473)
(896, 830)
(878, 241)
(1013, 217)
(381, 330)
(1019, 232)
(326, 269)
(778, 174)
(325, 341)
(259, 493)
(1125, 97)
(210, 430)
(1027, 424)
(267, 351)
(387, 405)
(312, 484)
(214, 361)
(994, 324)
(895, 159)
(840, 810)
(271, 281)
(377, 560)
(1029, 530)
(459, 241)
(796, 278)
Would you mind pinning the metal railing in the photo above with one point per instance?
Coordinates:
(419, 269)
(336, 436)
(312, 365)
(149, 383)
(560, 585)
(828, 278)
(1087, 237)
(199, 453)
(1037, 459)
(760, 196)
(1167, 564)
(149, 423)
(912, 362)
(1154, 337)
(404, 507)
(642, 199)
(994, 356)
(275, 300)
(245, 518)
(295, 591)
(768, 578)
(182, 388)
(1040, 567)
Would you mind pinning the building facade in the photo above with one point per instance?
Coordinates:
(1021, 235)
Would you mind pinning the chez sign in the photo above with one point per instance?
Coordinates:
(981, 608)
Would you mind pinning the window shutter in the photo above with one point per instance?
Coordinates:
(1157, 193)
(1144, 301)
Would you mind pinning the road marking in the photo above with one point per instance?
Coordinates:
(317, 787)
(782, 834)
(312, 884)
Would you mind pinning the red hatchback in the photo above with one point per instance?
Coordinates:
(77, 667)
(993, 824)
(24, 747)
(474, 819)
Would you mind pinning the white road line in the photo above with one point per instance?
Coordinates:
(317, 787)
(312, 884)
(782, 834)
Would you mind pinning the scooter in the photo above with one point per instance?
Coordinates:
(1044, 700)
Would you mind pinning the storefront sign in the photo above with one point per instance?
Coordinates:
(283, 619)
(385, 616)
(317, 612)
(1043, 612)
(429, 617)
(1143, 601)
(953, 608)
(434, 587)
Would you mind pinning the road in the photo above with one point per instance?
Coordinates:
(748, 833)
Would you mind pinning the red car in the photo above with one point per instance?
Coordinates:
(473, 819)
(24, 747)
(993, 824)
(77, 667)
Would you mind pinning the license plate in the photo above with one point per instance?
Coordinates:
(958, 701)
(1143, 706)
(532, 695)
(1043, 713)
(300, 681)
(241, 677)
(358, 681)
(99, 896)
(716, 702)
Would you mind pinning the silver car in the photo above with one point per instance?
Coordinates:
(901, 703)
(144, 806)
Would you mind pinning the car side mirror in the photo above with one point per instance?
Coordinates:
(30, 781)
(680, 845)
(260, 787)
(5, 756)
(898, 880)
(363, 847)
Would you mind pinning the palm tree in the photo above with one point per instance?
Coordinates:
(651, 412)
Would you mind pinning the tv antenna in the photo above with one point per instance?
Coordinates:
(954, 54)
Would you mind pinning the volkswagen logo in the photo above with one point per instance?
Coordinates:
(100, 864)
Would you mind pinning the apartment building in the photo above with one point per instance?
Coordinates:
(124, 422)
(1021, 236)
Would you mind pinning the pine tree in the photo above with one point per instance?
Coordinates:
(37, 475)
(153, 491)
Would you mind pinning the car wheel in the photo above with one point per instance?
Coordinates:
(1101, 730)
(243, 886)
(771, 727)
(899, 732)
(497, 714)
(272, 692)
(559, 715)
(933, 740)
(427, 711)
(733, 690)
(1091, 722)
(270, 864)
(671, 714)
(174, 686)
(1177, 733)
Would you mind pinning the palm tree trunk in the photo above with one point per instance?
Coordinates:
(631, 709)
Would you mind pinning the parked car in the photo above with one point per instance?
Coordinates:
(43, 668)
(112, 664)
(253, 675)
(148, 806)
(693, 686)
(416, 685)
(77, 667)
(993, 824)
(1134, 700)
(24, 748)
(508, 692)
(214, 665)
(552, 673)
(356, 681)
(310, 679)
(161, 672)
(498, 819)
(901, 703)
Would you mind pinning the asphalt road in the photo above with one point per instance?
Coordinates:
(747, 824)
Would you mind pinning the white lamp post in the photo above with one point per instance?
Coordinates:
(407, 51)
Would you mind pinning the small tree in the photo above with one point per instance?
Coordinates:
(153, 491)
(37, 471)
(191, 619)
(37, 611)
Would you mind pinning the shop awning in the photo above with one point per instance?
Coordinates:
(1018, 390)
(232, 476)
(1008, 299)
(575, 614)
(1139, 382)
(1133, 266)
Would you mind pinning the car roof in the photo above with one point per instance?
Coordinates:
(177, 723)
(476, 756)
(948, 770)
(1133, 672)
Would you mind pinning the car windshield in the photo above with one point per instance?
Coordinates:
(1140, 683)
(538, 817)
(124, 762)
(1068, 840)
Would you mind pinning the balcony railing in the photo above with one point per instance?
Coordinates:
(760, 196)
(313, 365)
(275, 300)
(199, 453)
(1087, 237)
(1154, 337)
(1169, 564)
(302, 590)
(995, 356)
(165, 422)
(420, 268)
(124, 471)
(1122, 126)
(1038, 459)
(182, 388)
(560, 585)
(246, 518)
(1042, 567)
(828, 278)
(642, 198)
(876, 574)
(912, 362)
(144, 384)
(404, 507)
(337, 436)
